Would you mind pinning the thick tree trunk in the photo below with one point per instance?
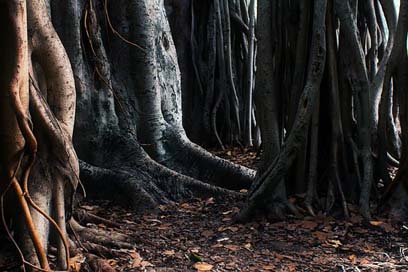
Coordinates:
(268, 181)
(128, 128)
(137, 104)
(40, 163)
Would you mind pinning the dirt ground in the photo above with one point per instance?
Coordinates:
(201, 235)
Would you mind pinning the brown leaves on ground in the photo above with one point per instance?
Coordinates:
(201, 236)
(243, 156)
(200, 266)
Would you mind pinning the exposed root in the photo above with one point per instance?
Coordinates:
(145, 186)
(96, 244)
(83, 216)
(101, 237)
(192, 160)
(276, 210)
(97, 264)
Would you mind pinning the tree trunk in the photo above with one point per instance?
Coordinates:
(116, 68)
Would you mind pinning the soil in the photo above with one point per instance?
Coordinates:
(201, 235)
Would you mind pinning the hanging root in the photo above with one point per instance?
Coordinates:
(17, 90)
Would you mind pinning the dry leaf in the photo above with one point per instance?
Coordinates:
(233, 229)
(309, 225)
(321, 236)
(201, 266)
(136, 259)
(76, 262)
(186, 206)
(164, 226)
(269, 267)
(292, 267)
(207, 233)
(352, 258)
(364, 261)
(169, 252)
(335, 243)
(233, 247)
(385, 226)
(376, 223)
(145, 264)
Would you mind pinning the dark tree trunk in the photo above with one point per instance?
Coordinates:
(118, 62)
(327, 105)
(216, 49)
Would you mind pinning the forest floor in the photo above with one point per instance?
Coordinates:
(201, 235)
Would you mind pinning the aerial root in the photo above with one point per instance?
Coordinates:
(110, 239)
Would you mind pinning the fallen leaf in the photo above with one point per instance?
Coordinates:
(76, 262)
(335, 243)
(292, 267)
(186, 205)
(145, 264)
(136, 259)
(233, 229)
(352, 258)
(364, 261)
(217, 245)
(201, 266)
(207, 233)
(376, 223)
(269, 267)
(164, 226)
(321, 236)
(169, 252)
(309, 225)
(232, 247)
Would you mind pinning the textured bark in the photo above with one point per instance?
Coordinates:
(267, 182)
(116, 68)
(45, 171)
(340, 149)
(216, 49)
(136, 105)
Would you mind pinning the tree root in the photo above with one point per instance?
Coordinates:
(97, 264)
(144, 186)
(192, 160)
(101, 237)
(96, 244)
(83, 216)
